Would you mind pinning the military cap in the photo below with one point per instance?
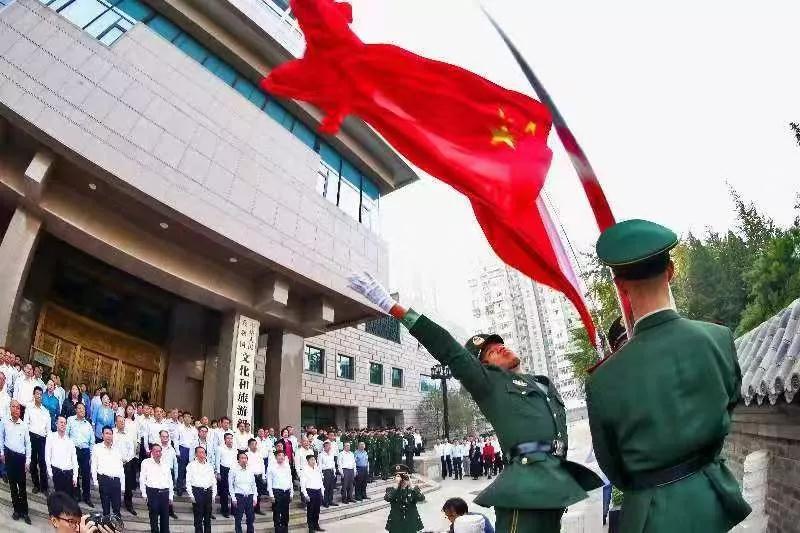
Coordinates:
(477, 343)
(401, 469)
(636, 249)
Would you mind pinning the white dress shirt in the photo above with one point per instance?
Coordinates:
(327, 460)
(417, 439)
(143, 425)
(11, 375)
(169, 457)
(347, 461)
(201, 475)
(241, 481)
(310, 478)
(301, 457)
(279, 477)
(5, 403)
(16, 437)
(265, 446)
(38, 419)
(447, 449)
(23, 390)
(226, 457)
(107, 462)
(59, 452)
(211, 451)
(255, 462)
(154, 429)
(172, 427)
(156, 476)
(125, 444)
(187, 436)
(241, 440)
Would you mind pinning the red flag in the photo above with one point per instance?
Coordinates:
(487, 142)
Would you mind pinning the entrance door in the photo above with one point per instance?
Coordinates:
(83, 351)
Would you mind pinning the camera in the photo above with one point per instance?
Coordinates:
(111, 522)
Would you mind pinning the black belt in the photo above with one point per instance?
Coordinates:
(658, 478)
(556, 448)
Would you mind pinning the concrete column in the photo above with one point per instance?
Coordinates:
(341, 417)
(284, 379)
(184, 380)
(16, 253)
(362, 416)
(216, 389)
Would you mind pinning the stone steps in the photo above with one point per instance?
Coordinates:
(37, 504)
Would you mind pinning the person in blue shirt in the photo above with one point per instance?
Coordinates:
(51, 403)
(102, 416)
(15, 450)
(362, 471)
(86, 401)
(80, 431)
(455, 507)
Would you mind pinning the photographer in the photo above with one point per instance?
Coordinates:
(403, 515)
(65, 516)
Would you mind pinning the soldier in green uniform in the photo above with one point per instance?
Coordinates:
(385, 456)
(531, 494)
(403, 514)
(660, 407)
(397, 447)
(369, 441)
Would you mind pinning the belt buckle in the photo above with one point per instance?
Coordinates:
(559, 448)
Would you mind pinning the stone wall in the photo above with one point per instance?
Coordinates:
(763, 451)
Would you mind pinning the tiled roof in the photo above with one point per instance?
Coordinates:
(770, 358)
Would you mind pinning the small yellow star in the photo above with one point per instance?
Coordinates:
(531, 128)
(503, 136)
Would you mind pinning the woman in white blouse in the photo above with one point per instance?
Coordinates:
(311, 489)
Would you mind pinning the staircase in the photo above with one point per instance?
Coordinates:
(37, 504)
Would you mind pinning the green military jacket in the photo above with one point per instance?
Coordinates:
(403, 514)
(520, 412)
(665, 398)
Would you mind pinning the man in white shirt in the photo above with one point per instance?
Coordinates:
(219, 433)
(226, 459)
(156, 483)
(5, 397)
(205, 440)
(154, 429)
(125, 443)
(241, 438)
(242, 486)
(255, 464)
(7, 368)
(169, 458)
(300, 459)
(187, 441)
(347, 463)
(15, 453)
(173, 423)
(108, 473)
(456, 460)
(23, 388)
(61, 459)
(38, 419)
(201, 484)
(327, 463)
(143, 422)
(447, 451)
(311, 489)
(58, 391)
(417, 442)
(280, 489)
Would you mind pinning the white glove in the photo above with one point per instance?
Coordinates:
(366, 285)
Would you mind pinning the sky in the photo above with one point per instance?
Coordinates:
(673, 103)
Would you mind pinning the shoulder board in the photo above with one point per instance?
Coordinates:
(599, 363)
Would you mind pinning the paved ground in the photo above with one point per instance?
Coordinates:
(584, 517)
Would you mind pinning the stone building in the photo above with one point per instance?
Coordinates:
(165, 223)
(763, 448)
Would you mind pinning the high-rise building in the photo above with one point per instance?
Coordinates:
(533, 320)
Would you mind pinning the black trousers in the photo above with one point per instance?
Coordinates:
(348, 481)
(110, 493)
(449, 466)
(183, 462)
(15, 469)
(280, 510)
(312, 508)
(84, 473)
(62, 480)
(201, 508)
(130, 481)
(224, 491)
(410, 460)
(38, 464)
(444, 466)
(328, 482)
(158, 507)
(244, 506)
(261, 488)
(457, 473)
(361, 482)
(488, 465)
(498, 463)
(418, 450)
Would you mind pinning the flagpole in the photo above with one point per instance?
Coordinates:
(591, 185)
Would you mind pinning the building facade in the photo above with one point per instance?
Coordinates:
(533, 320)
(168, 230)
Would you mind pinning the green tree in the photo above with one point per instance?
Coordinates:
(463, 414)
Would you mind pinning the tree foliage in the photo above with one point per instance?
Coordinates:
(464, 416)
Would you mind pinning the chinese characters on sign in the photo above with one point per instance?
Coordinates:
(244, 374)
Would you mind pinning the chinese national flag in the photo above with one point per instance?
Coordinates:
(487, 142)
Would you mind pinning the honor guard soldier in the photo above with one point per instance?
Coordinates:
(660, 407)
(526, 411)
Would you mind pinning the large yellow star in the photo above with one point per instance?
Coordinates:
(501, 135)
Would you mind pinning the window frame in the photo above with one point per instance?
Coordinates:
(377, 364)
(352, 367)
(306, 365)
(402, 378)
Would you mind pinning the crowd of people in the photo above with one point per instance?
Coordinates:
(69, 441)
(475, 457)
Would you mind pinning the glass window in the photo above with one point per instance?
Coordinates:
(376, 373)
(276, 111)
(136, 9)
(164, 28)
(305, 134)
(111, 36)
(330, 167)
(102, 23)
(397, 377)
(345, 366)
(191, 47)
(258, 98)
(349, 198)
(220, 69)
(82, 12)
(245, 87)
(369, 213)
(427, 384)
(314, 360)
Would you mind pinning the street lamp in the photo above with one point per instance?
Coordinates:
(443, 373)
